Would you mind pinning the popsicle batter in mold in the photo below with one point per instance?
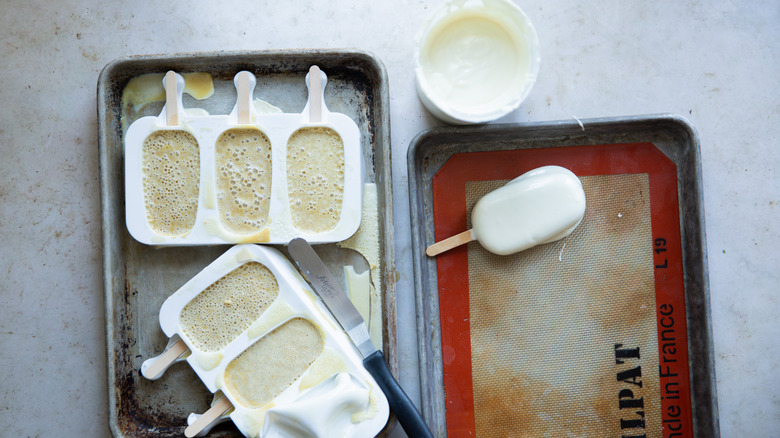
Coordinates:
(272, 364)
(243, 166)
(315, 178)
(229, 306)
(171, 180)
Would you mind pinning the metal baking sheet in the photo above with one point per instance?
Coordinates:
(138, 278)
(672, 135)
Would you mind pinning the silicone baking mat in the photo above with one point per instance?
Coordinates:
(585, 336)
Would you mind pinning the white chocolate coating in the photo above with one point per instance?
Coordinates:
(325, 411)
(472, 61)
(540, 206)
(475, 60)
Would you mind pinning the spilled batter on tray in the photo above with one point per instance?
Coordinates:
(367, 242)
(221, 312)
(272, 364)
(243, 166)
(315, 178)
(171, 179)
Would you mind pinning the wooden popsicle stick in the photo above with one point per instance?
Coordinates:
(244, 99)
(166, 359)
(315, 95)
(449, 243)
(171, 99)
(214, 412)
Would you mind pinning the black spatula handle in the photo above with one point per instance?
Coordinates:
(404, 409)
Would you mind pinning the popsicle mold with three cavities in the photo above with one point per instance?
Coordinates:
(245, 177)
(280, 329)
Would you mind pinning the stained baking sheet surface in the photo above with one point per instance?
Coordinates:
(138, 278)
(494, 354)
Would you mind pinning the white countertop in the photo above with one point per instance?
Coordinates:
(716, 63)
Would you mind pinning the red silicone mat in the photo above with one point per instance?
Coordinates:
(629, 415)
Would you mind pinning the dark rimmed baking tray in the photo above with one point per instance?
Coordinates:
(138, 278)
(671, 134)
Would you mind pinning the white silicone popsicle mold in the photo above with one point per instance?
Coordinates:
(295, 299)
(278, 127)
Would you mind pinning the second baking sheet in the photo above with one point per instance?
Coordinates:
(574, 335)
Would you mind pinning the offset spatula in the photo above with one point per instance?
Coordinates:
(347, 315)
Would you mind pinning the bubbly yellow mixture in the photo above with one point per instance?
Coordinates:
(171, 179)
(315, 178)
(272, 364)
(243, 164)
(221, 312)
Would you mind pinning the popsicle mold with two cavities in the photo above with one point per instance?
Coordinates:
(261, 341)
(244, 177)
